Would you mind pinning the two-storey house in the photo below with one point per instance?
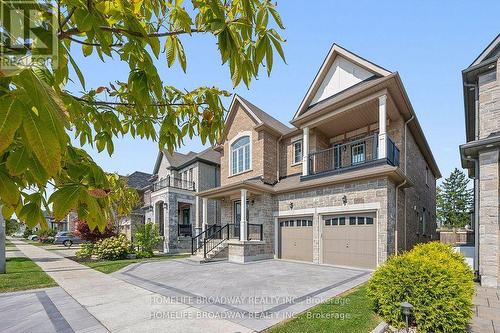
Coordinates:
(171, 200)
(481, 86)
(351, 183)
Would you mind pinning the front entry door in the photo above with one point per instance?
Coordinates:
(237, 217)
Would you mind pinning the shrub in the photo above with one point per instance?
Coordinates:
(86, 251)
(27, 232)
(46, 235)
(146, 239)
(112, 248)
(11, 226)
(434, 279)
(83, 231)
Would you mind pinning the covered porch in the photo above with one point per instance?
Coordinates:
(244, 230)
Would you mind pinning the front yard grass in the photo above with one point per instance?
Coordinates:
(351, 312)
(110, 266)
(24, 274)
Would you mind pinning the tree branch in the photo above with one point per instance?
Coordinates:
(91, 44)
(105, 103)
(75, 31)
(61, 24)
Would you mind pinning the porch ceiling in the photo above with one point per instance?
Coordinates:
(253, 187)
(355, 118)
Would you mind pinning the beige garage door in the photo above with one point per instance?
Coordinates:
(296, 239)
(350, 240)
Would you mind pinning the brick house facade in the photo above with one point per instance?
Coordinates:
(351, 183)
(480, 155)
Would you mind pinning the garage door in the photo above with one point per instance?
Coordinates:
(296, 239)
(349, 240)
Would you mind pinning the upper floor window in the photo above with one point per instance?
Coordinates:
(240, 155)
(358, 153)
(297, 151)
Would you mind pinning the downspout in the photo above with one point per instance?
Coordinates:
(278, 175)
(476, 210)
(397, 192)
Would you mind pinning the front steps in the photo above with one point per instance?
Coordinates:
(219, 253)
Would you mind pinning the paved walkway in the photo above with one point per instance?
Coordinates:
(120, 306)
(486, 311)
(45, 310)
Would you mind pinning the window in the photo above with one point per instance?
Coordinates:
(328, 222)
(190, 178)
(358, 153)
(240, 155)
(424, 222)
(341, 220)
(297, 151)
(426, 175)
(361, 220)
(335, 221)
(337, 157)
(352, 220)
(369, 220)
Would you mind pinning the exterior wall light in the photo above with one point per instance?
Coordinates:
(291, 205)
(344, 199)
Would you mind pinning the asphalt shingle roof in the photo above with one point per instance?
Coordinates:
(138, 179)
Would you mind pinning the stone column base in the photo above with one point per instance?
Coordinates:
(247, 251)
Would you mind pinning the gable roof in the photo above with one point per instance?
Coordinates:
(179, 160)
(491, 51)
(260, 117)
(138, 180)
(338, 51)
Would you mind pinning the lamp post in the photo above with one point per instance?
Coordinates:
(406, 309)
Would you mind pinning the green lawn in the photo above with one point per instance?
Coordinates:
(110, 266)
(351, 312)
(23, 274)
(8, 243)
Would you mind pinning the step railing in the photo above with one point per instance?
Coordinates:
(197, 241)
(217, 238)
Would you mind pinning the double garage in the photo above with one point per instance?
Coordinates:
(345, 239)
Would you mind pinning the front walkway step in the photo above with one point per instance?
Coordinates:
(121, 306)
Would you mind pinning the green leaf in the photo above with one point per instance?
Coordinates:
(32, 215)
(269, 57)
(77, 70)
(182, 55)
(65, 199)
(9, 191)
(171, 48)
(83, 19)
(43, 142)
(276, 17)
(10, 119)
(277, 46)
(18, 161)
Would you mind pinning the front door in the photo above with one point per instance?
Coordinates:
(237, 217)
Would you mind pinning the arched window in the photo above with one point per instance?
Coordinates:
(240, 155)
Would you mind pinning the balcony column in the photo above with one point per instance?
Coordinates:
(204, 214)
(305, 154)
(382, 125)
(243, 222)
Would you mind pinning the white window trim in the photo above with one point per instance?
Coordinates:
(293, 151)
(240, 135)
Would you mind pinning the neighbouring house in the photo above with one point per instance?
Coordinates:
(140, 181)
(351, 183)
(171, 201)
(480, 155)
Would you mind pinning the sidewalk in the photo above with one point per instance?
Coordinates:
(120, 306)
(486, 318)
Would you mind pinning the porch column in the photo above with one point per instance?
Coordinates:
(382, 126)
(305, 149)
(204, 213)
(243, 222)
(166, 228)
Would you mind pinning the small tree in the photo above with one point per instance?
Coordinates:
(146, 239)
(454, 200)
(83, 231)
(11, 226)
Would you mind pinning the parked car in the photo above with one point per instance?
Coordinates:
(67, 238)
(33, 238)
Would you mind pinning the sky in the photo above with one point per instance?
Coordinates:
(428, 42)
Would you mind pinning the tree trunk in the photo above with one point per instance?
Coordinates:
(2, 243)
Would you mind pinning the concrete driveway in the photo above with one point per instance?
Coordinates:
(255, 295)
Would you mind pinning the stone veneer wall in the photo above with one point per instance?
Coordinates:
(489, 103)
(489, 218)
(172, 243)
(358, 193)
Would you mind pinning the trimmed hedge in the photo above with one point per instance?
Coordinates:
(434, 279)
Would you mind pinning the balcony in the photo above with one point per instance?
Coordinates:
(355, 154)
(175, 183)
